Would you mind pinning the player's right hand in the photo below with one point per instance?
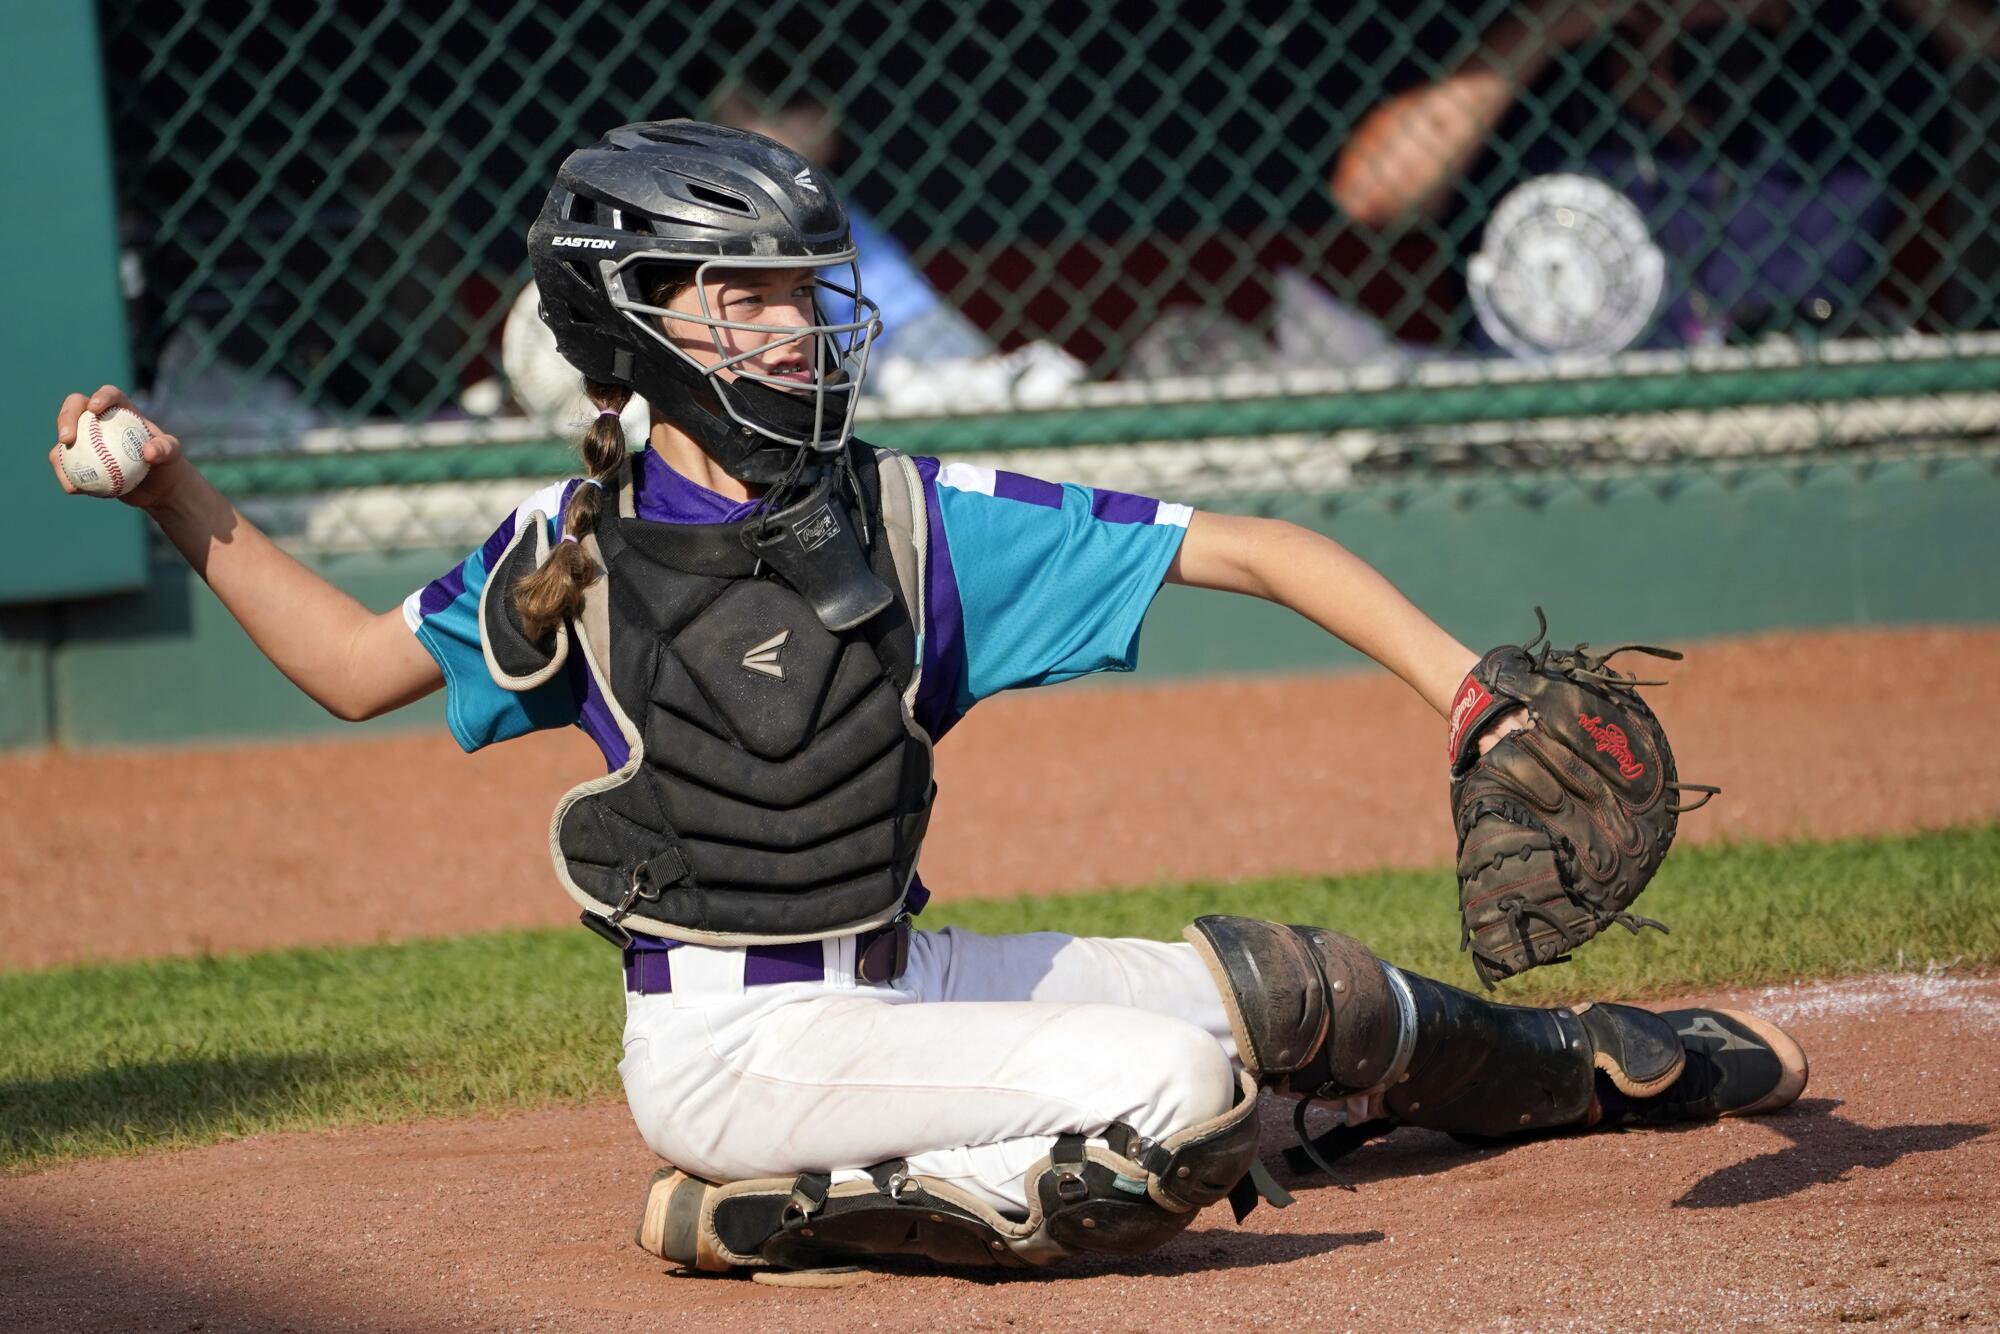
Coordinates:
(163, 451)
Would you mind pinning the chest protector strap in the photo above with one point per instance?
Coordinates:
(776, 787)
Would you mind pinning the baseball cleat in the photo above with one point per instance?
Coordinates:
(1737, 1065)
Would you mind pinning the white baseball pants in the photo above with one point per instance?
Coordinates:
(968, 1066)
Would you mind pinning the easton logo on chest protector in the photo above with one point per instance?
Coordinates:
(763, 658)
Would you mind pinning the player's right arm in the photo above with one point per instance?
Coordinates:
(353, 662)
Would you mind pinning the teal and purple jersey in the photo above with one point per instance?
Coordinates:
(1029, 582)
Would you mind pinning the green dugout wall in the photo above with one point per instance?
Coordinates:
(1669, 555)
(66, 322)
(65, 313)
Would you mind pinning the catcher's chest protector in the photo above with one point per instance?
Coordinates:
(777, 787)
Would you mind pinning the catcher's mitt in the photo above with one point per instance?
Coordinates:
(1561, 823)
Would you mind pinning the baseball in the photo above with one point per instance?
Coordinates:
(108, 458)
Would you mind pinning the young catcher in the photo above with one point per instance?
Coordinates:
(765, 624)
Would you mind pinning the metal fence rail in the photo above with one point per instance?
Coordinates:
(1277, 244)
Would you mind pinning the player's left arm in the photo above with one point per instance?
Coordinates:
(1329, 585)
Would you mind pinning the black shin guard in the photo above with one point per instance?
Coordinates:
(1315, 1012)
(1484, 1069)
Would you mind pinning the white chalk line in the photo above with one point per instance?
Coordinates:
(1975, 1001)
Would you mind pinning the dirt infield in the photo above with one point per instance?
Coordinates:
(1875, 1200)
(244, 848)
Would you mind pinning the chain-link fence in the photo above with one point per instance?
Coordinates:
(1257, 247)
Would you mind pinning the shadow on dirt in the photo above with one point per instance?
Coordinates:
(1213, 1250)
(1823, 1149)
(64, 1272)
(1399, 1154)
(135, 1105)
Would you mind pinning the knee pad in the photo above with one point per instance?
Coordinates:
(1308, 1007)
(1125, 1196)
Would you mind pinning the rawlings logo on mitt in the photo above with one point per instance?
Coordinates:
(1561, 823)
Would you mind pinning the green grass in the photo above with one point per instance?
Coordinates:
(116, 1058)
(1739, 914)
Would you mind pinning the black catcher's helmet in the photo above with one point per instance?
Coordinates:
(701, 197)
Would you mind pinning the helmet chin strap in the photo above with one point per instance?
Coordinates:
(689, 398)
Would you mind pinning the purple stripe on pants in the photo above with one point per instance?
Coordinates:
(649, 972)
(765, 965)
(649, 965)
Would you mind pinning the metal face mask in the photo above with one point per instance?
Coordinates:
(819, 416)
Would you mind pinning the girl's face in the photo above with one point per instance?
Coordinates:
(780, 301)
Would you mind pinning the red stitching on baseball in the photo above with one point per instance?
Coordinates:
(105, 455)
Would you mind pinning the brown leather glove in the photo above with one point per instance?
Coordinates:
(1561, 823)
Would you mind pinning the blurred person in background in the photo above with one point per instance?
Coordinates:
(917, 323)
(1766, 144)
(929, 356)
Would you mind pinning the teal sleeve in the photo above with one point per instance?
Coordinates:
(444, 616)
(1049, 588)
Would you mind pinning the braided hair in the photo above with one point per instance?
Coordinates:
(553, 591)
